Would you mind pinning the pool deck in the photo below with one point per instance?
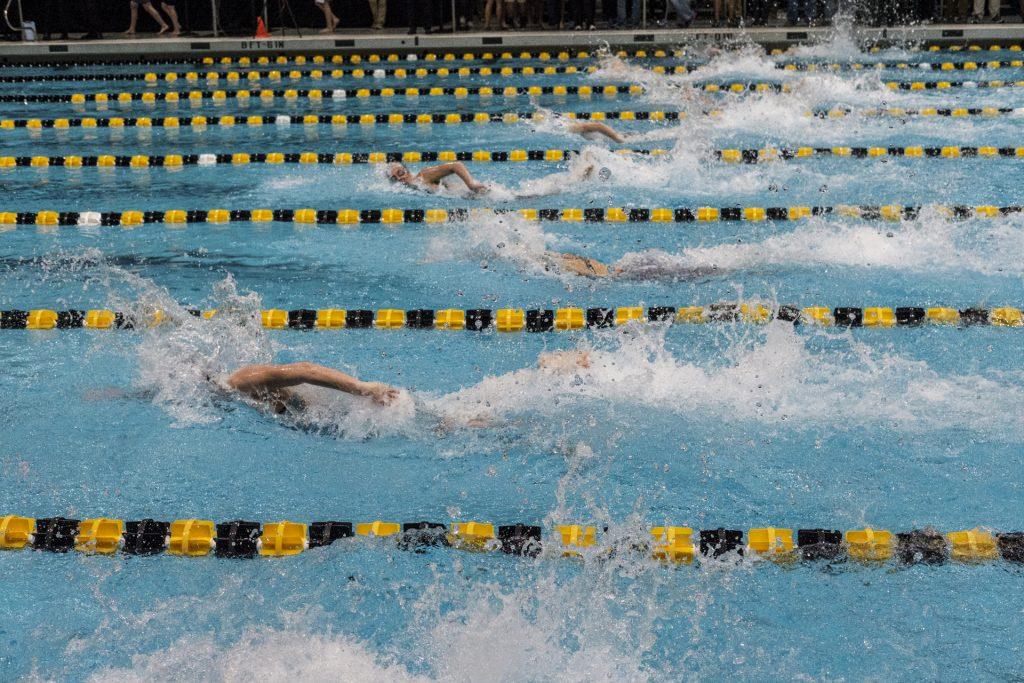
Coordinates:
(398, 41)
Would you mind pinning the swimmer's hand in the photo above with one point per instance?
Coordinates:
(378, 392)
(477, 188)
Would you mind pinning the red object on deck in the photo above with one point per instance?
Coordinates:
(261, 29)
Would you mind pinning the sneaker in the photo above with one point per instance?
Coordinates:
(997, 19)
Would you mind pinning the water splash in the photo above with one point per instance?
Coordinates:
(269, 655)
(930, 243)
(768, 376)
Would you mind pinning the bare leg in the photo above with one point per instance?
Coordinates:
(135, 19)
(173, 14)
(330, 21)
(156, 17)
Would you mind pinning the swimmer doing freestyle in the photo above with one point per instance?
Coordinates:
(431, 178)
(271, 385)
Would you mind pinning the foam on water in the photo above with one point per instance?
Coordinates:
(182, 364)
(927, 244)
(771, 377)
(508, 237)
(269, 655)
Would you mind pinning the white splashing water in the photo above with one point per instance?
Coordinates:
(182, 364)
(928, 244)
(268, 655)
(766, 378)
(504, 237)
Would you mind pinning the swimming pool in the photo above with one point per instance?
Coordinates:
(702, 425)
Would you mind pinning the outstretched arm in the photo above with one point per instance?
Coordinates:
(584, 127)
(580, 265)
(434, 174)
(262, 380)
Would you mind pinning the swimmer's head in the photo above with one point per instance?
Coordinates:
(398, 173)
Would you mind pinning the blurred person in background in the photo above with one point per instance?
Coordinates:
(994, 11)
(330, 20)
(732, 13)
(583, 15)
(800, 12)
(494, 8)
(151, 11)
(378, 8)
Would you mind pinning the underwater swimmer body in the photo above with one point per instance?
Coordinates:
(271, 385)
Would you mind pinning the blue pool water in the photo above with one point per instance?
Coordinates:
(701, 425)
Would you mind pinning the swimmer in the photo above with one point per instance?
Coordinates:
(564, 362)
(430, 178)
(270, 384)
(592, 128)
(584, 266)
(574, 264)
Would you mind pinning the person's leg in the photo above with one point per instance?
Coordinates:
(151, 11)
(134, 20)
(330, 21)
(684, 13)
(488, 8)
(979, 9)
(589, 8)
(378, 8)
(169, 8)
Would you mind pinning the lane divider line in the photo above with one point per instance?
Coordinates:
(268, 95)
(375, 58)
(152, 78)
(747, 156)
(534, 320)
(393, 216)
(200, 122)
(670, 544)
(581, 91)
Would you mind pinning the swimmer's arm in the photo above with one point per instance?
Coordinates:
(257, 379)
(581, 265)
(584, 127)
(563, 361)
(434, 174)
